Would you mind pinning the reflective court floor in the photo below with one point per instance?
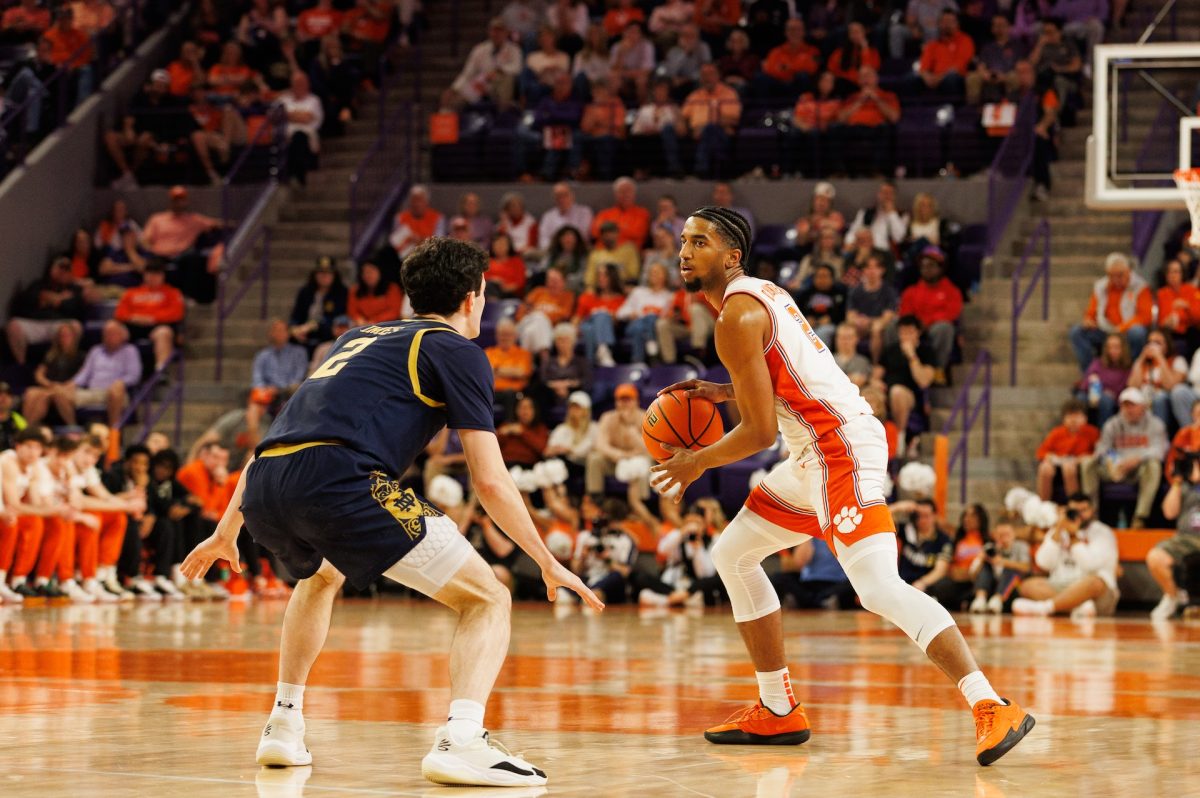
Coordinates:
(170, 700)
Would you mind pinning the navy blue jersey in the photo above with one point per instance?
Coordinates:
(386, 389)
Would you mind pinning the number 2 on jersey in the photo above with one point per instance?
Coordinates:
(336, 361)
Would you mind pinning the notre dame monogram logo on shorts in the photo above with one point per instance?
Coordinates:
(404, 505)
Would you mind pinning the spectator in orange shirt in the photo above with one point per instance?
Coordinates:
(187, 70)
(789, 68)
(602, 129)
(505, 275)
(1186, 441)
(207, 479)
(417, 223)
(314, 24)
(523, 437)
(710, 115)
(92, 16)
(946, 60)
(937, 304)
(632, 220)
(716, 19)
(812, 148)
(71, 48)
(227, 75)
(1065, 447)
(870, 117)
(1128, 310)
(619, 17)
(1179, 305)
(512, 365)
(153, 310)
(856, 53)
(373, 300)
(545, 306)
(25, 22)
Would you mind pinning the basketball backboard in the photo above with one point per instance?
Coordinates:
(1144, 124)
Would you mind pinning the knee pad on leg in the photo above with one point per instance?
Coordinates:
(738, 555)
(883, 592)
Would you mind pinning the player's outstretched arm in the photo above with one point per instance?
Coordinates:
(743, 329)
(502, 501)
(222, 544)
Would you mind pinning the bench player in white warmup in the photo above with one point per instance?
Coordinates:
(786, 380)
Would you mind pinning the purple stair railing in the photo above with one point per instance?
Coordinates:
(144, 400)
(382, 178)
(1009, 174)
(269, 134)
(1041, 235)
(969, 414)
(229, 296)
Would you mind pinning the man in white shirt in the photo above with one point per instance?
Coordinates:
(1080, 557)
(304, 118)
(887, 224)
(491, 69)
(565, 213)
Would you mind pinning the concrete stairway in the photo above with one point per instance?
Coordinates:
(310, 222)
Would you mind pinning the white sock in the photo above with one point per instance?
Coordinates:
(975, 688)
(465, 720)
(17, 581)
(289, 696)
(41, 581)
(775, 690)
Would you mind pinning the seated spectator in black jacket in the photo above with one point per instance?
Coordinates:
(906, 368)
(823, 302)
(43, 306)
(321, 300)
(335, 80)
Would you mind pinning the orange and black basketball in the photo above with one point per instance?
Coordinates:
(678, 421)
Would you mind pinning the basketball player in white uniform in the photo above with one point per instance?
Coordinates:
(786, 380)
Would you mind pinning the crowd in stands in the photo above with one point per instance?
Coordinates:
(663, 88)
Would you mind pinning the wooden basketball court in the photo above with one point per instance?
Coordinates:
(170, 700)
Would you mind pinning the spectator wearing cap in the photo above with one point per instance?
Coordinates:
(575, 437)
(52, 377)
(610, 249)
(869, 117)
(545, 307)
(415, 224)
(156, 118)
(789, 69)
(43, 306)
(153, 311)
(1121, 302)
(319, 301)
(173, 235)
(602, 128)
(11, 422)
(1131, 449)
(936, 302)
(710, 116)
(632, 220)
(341, 326)
(561, 371)
(946, 60)
(565, 212)
(512, 365)
(491, 69)
(278, 370)
(618, 436)
(371, 299)
(111, 368)
(883, 219)
(305, 116)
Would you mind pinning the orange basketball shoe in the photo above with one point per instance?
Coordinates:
(757, 725)
(998, 727)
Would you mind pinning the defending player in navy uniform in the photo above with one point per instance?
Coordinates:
(323, 494)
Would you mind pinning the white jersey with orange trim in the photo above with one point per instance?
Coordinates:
(813, 396)
(24, 475)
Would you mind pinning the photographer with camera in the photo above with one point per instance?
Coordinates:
(605, 553)
(1182, 505)
(688, 574)
(1080, 557)
(1003, 561)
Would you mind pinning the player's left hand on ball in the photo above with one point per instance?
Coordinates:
(196, 564)
(557, 576)
(672, 477)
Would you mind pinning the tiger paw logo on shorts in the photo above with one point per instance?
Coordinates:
(847, 520)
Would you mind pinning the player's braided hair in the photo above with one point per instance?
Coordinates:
(731, 225)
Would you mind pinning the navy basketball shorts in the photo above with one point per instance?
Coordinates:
(309, 502)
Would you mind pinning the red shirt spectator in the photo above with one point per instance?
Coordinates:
(633, 221)
(1063, 442)
(26, 18)
(227, 75)
(368, 22)
(714, 17)
(69, 46)
(186, 71)
(416, 223)
(871, 106)
(318, 22)
(153, 302)
(370, 302)
(793, 57)
(1126, 297)
(1178, 302)
(951, 51)
(618, 18)
(933, 298)
(208, 479)
(505, 268)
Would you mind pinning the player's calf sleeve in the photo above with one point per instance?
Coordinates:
(870, 565)
(738, 555)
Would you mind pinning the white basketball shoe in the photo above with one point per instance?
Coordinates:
(282, 741)
(481, 762)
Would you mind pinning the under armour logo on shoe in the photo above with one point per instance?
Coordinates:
(847, 520)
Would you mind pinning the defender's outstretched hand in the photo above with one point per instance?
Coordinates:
(557, 576)
(699, 389)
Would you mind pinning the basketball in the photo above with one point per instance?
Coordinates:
(676, 420)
